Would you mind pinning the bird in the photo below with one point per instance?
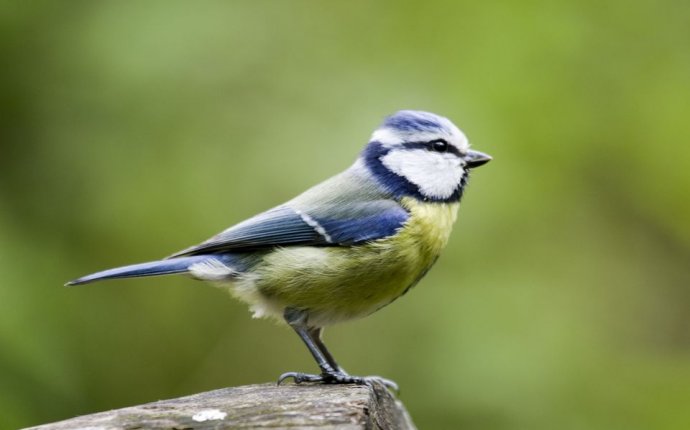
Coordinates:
(344, 248)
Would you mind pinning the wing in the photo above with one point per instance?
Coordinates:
(347, 209)
(330, 225)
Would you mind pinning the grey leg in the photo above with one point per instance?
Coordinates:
(331, 373)
(310, 336)
(315, 333)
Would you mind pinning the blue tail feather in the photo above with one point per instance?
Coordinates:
(153, 268)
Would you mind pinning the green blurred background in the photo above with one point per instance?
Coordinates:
(130, 130)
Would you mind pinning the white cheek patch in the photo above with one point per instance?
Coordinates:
(436, 175)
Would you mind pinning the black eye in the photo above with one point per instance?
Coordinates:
(439, 145)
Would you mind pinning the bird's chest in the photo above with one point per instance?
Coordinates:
(338, 283)
(388, 264)
(429, 226)
(415, 249)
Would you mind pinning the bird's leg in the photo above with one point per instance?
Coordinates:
(331, 373)
(298, 321)
(315, 333)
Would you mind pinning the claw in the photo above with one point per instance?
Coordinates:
(285, 376)
(299, 377)
(369, 380)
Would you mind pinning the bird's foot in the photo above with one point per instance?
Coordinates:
(338, 378)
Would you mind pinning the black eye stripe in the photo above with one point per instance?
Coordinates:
(429, 146)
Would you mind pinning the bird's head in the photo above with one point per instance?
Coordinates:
(421, 154)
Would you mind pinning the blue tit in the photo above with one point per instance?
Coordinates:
(344, 248)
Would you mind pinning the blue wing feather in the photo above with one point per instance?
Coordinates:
(344, 224)
(350, 231)
(347, 209)
(278, 226)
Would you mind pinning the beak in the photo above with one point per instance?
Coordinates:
(475, 159)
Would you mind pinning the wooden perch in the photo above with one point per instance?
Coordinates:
(305, 406)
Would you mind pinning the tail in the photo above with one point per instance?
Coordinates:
(153, 268)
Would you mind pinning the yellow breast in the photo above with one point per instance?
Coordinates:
(430, 224)
(339, 283)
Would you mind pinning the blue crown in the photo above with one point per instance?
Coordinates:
(415, 121)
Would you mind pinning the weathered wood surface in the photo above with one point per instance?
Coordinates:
(305, 406)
